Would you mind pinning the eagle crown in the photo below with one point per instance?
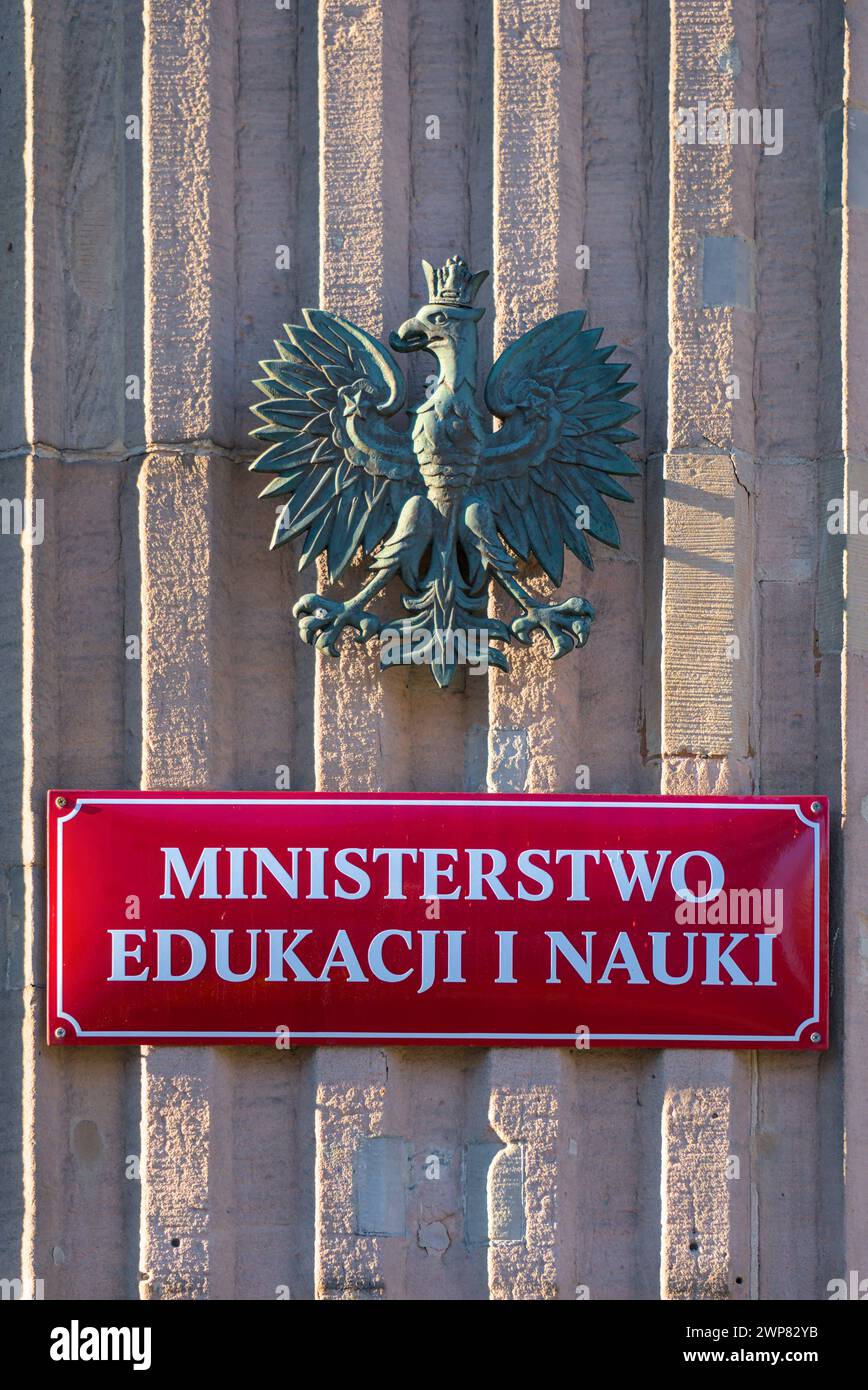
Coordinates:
(452, 282)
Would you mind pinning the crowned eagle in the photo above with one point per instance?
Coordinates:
(447, 505)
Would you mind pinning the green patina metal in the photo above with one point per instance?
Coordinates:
(449, 505)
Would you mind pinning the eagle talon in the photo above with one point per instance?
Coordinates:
(566, 624)
(322, 620)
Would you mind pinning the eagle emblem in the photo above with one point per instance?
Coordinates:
(448, 505)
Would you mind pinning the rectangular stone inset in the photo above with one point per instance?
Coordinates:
(382, 1171)
(857, 158)
(727, 272)
(477, 1161)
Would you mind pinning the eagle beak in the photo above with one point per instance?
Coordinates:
(410, 337)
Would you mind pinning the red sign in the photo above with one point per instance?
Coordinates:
(590, 921)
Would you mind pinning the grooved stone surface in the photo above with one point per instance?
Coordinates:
(179, 180)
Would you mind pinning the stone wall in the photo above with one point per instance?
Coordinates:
(161, 163)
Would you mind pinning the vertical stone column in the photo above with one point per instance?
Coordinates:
(533, 710)
(854, 661)
(363, 741)
(449, 214)
(364, 106)
(62, 443)
(538, 189)
(271, 697)
(709, 714)
(14, 443)
(797, 1099)
(189, 137)
(828, 625)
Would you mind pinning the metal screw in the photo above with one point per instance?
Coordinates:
(816, 807)
(815, 1037)
(60, 1032)
(60, 801)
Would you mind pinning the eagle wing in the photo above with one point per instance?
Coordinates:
(345, 472)
(546, 473)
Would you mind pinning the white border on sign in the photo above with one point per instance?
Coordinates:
(441, 801)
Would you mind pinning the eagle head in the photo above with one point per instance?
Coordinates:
(451, 290)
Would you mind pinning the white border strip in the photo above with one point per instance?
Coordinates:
(535, 804)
